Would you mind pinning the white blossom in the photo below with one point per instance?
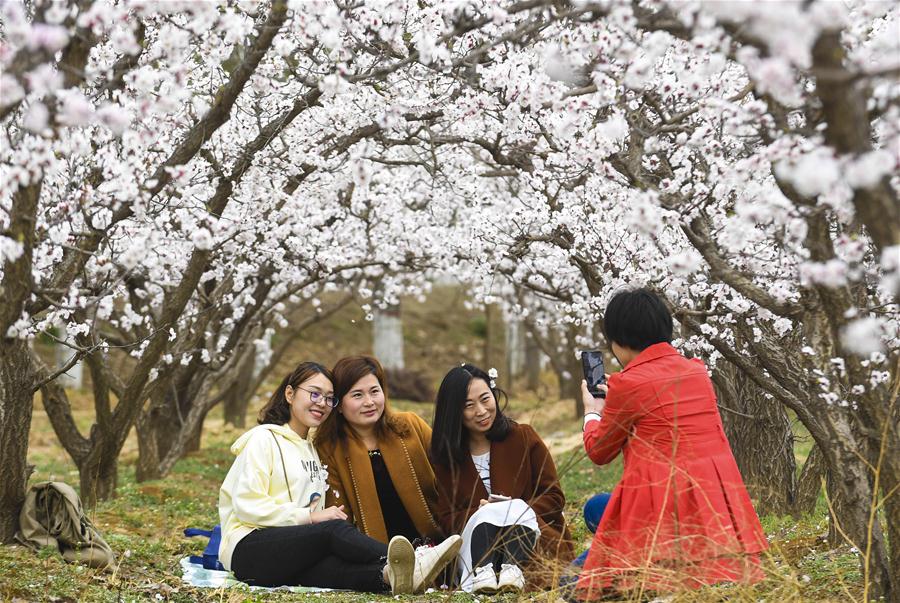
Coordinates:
(863, 336)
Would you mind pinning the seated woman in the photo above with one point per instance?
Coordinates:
(680, 517)
(498, 485)
(377, 462)
(275, 529)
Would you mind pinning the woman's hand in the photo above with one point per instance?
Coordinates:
(482, 502)
(327, 514)
(592, 404)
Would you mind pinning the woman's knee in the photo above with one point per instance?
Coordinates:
(594, 509)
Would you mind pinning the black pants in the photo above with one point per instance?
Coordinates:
(498, 545)
(331, 554)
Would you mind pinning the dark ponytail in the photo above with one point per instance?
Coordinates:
(277, 410)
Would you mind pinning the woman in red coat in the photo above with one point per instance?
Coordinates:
(680, 517)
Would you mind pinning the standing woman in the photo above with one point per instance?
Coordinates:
(498, 485)
(680, 517)
(378, 462)
(275, 529)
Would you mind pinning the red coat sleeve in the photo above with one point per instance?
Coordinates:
(604, 439)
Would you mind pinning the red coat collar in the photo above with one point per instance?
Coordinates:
(657, 350)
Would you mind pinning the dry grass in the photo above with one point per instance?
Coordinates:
(143, 525)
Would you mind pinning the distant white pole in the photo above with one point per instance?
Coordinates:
(74, 377)
(387, 331)
(264, 345)
(515, 348)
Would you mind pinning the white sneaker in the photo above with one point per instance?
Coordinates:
(485, 580)
(430, 560)
(510, 579)
(401, 560)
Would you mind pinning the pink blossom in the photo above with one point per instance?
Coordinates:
(49, 37)
(44, 79)
(36, 118)
(75, 110)
(10, 90)
(114, 117)
(869, 168)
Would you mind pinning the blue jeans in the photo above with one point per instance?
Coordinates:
(593, 512)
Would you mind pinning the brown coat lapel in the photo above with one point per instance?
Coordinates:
(351, 481)
(521, 467)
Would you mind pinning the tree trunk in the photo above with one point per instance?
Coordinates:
(158, 428)
(761, 439)
(98, 473)
(809, 484)
(890, 480)
(570, 373)
(195, 434)
(489, 334)
(74, 377)
(532, 363)
(881, 419)
(237, 398)
(837, 508)
(515, 352)
(17, 379)
(387, 332)
(148, 450)
(570, 383)
(850, 479)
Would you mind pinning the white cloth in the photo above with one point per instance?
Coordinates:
(483, 467)
(506, 513)
(196, 575)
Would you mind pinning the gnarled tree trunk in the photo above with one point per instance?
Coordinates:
(237, 398)
(98, 473)
(809, 484)
(532, 363)
(761, 439)
(17, 379)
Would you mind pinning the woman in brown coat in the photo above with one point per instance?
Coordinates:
(377, 460)
(497, 485)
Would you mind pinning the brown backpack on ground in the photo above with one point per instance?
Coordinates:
(52, 516)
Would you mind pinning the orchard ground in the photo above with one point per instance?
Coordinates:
(144, 526)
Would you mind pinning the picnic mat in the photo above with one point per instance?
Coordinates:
(197, 575)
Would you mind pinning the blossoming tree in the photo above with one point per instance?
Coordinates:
(178, 178)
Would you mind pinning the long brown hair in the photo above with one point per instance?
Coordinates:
(277, 410)
(347, 371)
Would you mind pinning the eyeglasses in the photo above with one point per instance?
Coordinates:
(316, 397)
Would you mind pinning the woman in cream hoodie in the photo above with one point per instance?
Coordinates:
(275, 529)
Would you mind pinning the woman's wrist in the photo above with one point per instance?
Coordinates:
(591, 415)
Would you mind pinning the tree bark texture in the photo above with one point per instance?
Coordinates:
(238, 397)
(532, 363)
(809, 483)
(16, 398)
(761, 439)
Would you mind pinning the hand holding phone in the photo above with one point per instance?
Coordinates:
(594, 371)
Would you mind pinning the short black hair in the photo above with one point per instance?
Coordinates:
(636, 319)
(449, 439)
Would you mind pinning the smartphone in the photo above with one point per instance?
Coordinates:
(497, 498)
(594, 371)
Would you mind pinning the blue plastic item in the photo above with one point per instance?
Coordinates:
(210, 558)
